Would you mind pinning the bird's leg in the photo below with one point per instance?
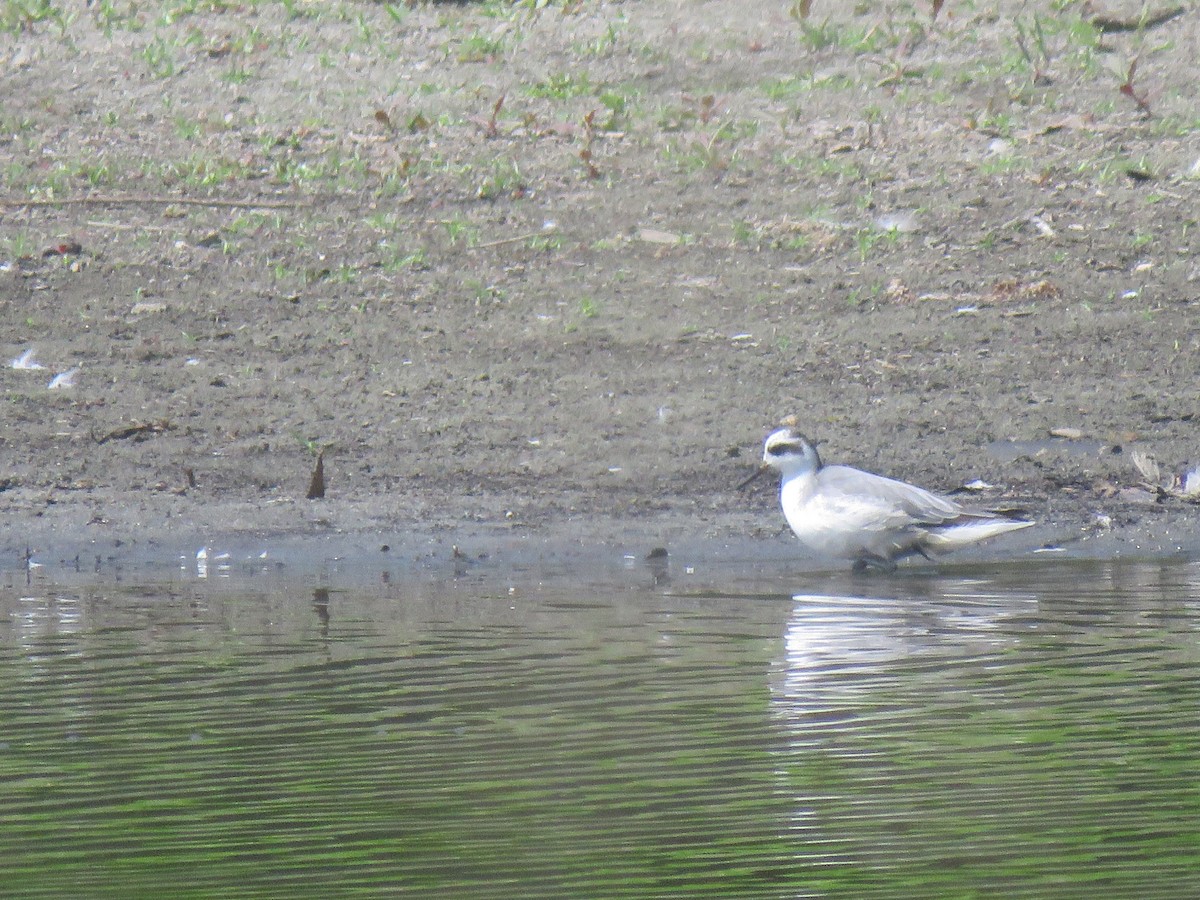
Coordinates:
(872, 560)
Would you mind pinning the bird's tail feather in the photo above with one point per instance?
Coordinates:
(963, 533)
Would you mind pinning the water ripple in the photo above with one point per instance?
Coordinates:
(1019, 733)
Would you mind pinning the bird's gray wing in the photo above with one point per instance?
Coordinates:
(905, 503)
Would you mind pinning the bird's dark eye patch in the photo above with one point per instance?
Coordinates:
(782, 448)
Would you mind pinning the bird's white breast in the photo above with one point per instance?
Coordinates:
(833, 522)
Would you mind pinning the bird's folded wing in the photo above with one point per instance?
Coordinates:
(899, 503)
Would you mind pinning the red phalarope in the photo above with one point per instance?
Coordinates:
(842, 512)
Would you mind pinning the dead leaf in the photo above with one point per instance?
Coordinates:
(1043, 289)
(316, 487)
(1147, 465)
(898, 292)
(1043, 227)
(139, 430)
(1012, 289)
(1137, 495)
(1070, 434)
(66, 248)
(654, 236)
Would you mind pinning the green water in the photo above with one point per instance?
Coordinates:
(1026, 732)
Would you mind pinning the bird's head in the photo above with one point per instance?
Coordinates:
(787, 452)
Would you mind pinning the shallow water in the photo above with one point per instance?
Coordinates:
(1004, 731)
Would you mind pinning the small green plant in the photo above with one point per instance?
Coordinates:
(715, 151)
(618, 103)
(96, 173)
(865, 239)
(1083, 44)
(478, 47)
(55, 183)
(864, 294)
(482, 293)
(544, 242)
(247, 222)
(868, 239)
(818, 35)
(394, 183)
(159, 57)
(562, 86)
(187, 129)
(396, 259)
(16, 124)
(745, 233)
(199, 170)
(837, 167)
(237, 74)
(24, 15)
(504, 180)
(588, 308)
(600, 46)
(786, 87)
(312, 446)
(1031, 41)
(20, 246)
(461, 231)
(996, 123)
(999, 164)
(366, 33)
(108, 17)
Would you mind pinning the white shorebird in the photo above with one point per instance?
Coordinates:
(838, 511)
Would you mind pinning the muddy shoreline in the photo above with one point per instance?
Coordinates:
(659, 551)
(549, 277)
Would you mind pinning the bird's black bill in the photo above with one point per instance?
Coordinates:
(757, 473)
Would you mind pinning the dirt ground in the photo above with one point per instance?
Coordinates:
(560, 267)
